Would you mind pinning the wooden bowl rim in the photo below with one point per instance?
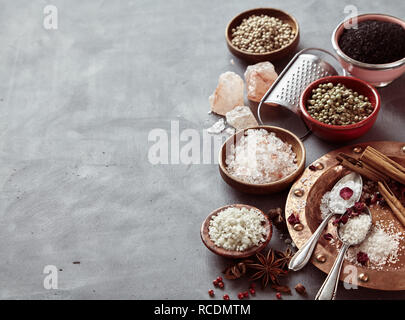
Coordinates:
(367, 86)
(233, 254)
(252, 11)
(295, 173)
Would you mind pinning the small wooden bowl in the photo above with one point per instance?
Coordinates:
(269, 56)
(205, 237)
(266, 188)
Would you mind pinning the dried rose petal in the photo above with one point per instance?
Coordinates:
(344, 219)
(362, 258)
(359, 207)
(346, 193)
(349, 212)
(293, 219)
(327, 236)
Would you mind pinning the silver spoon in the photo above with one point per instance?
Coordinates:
(302, 256)
(329, 287)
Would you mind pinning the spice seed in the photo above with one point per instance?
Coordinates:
(299, 193)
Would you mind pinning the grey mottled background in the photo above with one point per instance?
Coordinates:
(77, 105)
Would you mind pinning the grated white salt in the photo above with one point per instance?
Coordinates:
(260, 157)
(237, 228)
(356, 229)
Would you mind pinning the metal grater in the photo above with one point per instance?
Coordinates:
(303, 69)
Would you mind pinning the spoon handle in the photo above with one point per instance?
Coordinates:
(329, 287)
(302, 256)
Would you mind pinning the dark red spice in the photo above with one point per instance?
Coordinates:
(215, 283)
(362, 258)
(221, 285)
(293, 219)
(359, 207)
(336, 221)
(226, 297)
(278, 295)
(211, 293)
(253, 285)
(246, 294)
(346, 193)
(219, 279)
(240, 296)
(327, 236)
(252, 291)
(343, 219)
(374, 42)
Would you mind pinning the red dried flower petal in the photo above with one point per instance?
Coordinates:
(293, 219)
(344, 219)
(346, 193)
(362, 258)
(327, 236)
(359, 207)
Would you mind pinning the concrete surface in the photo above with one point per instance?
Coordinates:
(77, 105)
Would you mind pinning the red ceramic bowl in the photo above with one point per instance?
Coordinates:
(341, 133)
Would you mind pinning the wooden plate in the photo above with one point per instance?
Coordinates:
(230, 253)
(310, 188)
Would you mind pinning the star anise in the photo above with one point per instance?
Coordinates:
(269, 268)
(285, 258)
(236, 270)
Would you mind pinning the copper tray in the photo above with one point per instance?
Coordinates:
(311, 186)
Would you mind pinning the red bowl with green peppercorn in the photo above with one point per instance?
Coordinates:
(341, 132)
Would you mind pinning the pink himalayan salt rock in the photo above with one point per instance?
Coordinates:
(228, 94)
(259, 77)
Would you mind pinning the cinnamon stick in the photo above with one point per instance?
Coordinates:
(383, 164)
(361, 168)
(396, 207)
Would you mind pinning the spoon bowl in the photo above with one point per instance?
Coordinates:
(329, 287)
(302, 256)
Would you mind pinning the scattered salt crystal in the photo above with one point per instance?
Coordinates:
(259, 78)
(230, 131)
(260, 157)
(217, 127)
(241, 117)
(228, 94)
(324, 207)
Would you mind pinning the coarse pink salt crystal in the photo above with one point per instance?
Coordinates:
(228, 94)
(259, 77)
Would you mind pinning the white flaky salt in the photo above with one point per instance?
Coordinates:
(259, 78)
(241, 117)
(228, 94)
(237, 228)
(356, 229)
(260, 157)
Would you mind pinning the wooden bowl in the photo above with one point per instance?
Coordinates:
(266, 188)
(231, 253)
(269, 56)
